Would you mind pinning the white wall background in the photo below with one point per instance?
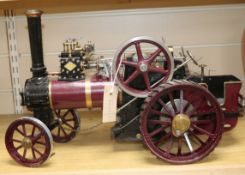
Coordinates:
(211, 32)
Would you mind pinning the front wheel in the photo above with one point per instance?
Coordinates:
(29, 141)
(68, 125)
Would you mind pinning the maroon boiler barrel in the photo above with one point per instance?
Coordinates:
(77, 94)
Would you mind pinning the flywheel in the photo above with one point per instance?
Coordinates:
(141, 64)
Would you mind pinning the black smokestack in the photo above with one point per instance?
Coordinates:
(35, 35)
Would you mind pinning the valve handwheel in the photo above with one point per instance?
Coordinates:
(181, 122)
(68, 125)
(29, 141)
(151, 65)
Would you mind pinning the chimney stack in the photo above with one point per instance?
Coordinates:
(35, 35)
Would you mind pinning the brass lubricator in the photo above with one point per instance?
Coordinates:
(71, 45)
(181, 123)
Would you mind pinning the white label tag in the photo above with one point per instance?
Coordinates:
(110, 103)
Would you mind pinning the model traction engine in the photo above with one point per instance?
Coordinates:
(179, 117)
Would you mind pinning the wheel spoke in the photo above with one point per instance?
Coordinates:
(24, 129)
(147, 81)
(57, 112)
(156, 131)
(41, 143)
(171, 98)
(203, 131)
(196, 137)
(131, 77)
(188, 142)
(68, 120)
(15, 140)
(163, 138)
(139, 51)
(130, 63)
(36, 138)
(63, 130)
(33, 153)
(160, 113)
(181, 101)
(159, 122)
(69, 125)
(24, 153)
(165, 107)
(170, 145)
(33, 130)
(196, 105)
(201, 122)
(154, 55)
(19, 131)
(179, 145)
(201, 113)
(58, 132)
(186, 107)
(66, 113)
(37, 151)
(17, 148)
(158, 70)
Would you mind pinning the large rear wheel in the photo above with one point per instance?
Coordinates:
(181, 122)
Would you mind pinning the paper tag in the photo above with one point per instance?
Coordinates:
(110, 103)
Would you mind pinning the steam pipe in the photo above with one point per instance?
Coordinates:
(35, 35)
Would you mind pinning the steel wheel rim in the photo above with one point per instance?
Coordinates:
(137, 41)
(69, 124)
(176, 156)
(40, 141)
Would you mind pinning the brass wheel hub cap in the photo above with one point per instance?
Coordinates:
(27, 143)
(180, 124)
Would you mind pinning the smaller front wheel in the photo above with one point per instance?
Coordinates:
(67, 127)
(29, 141)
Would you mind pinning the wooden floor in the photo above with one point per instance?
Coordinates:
(95, 153)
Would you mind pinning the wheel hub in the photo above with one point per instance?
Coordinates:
(60, 121)
(143, 67)
(27, 143)
(180, 124)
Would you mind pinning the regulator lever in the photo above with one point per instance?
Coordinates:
(192, 58)
(181, 65)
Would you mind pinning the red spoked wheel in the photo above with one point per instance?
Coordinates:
(141, 64)
(68, 125)
(181, 122)
(29, 141)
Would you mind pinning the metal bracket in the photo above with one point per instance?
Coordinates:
(13, 59)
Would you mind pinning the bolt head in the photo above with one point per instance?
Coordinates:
(143, 67)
